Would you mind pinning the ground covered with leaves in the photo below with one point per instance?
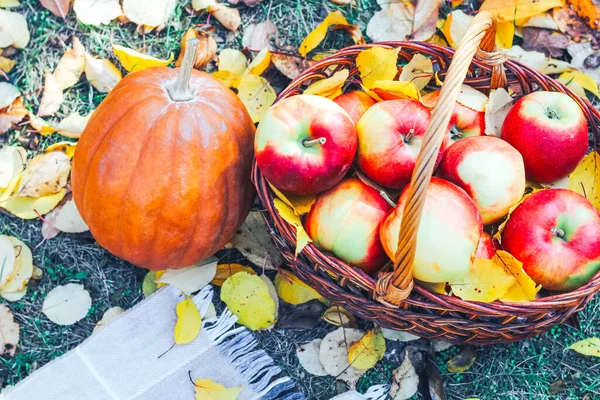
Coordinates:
(555, 40)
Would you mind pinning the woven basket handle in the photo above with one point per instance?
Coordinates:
(480, 41)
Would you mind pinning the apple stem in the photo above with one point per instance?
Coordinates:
(313, 142)
(387, 198)
(556, 231)
(410, 135)
(552, 114)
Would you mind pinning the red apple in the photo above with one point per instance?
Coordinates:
(448, 233)
(555, 233)
(389, 139)
(305, 144)
(468, 115)
(550, 131)
(485, 247)
(345, 221)
(490, 170)
(355, 103)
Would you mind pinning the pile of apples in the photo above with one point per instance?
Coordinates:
(357, 155)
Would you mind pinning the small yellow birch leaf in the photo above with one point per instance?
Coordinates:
(97, 12)
(206, 389)
(339, 316)
(6, 64)
(585, 180)
(377, 64)
(8, 259)
(587, 347)
(71, 65)
(224, 271)
(12, 159)
(14, 30)
(227, 16)
(463, 361)
(257, 95)
(435, 287)
(149, 285)
(287, 213)
(66, 147)
(582, 81)
(149, 13)
(45, 174)
(510, 10)
(40, 125)
(300, 203)
(73, 125)
(188, 323)
(199, 5)
(318, 34)
(455, 27)
(101, 73)
(330, 87)
(52, 96)
(260, 62)
(419, 71)
(248, 297)
(132, 60)
(524, 289)
(366, 352)
(26, 207)
(233, 61)
(227, 78)
(486, 281)
(396, 89)
(505, 33)
(292, 290)
(22, 269)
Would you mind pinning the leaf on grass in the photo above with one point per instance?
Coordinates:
(524, 289)
(22, 268)
(333, 354)
(199, 5)
(578, 81)
(258, 36)
(287, 213)
(14, 30)
(486, 281)
(257, 95)
(317, 35)
(260, 62)
(391, 90)
(149, 285)
(207, 389)
(587, 347)
(419, 71)
(550, 43)
(233, 61)
(537, 61)
(339, 316)
(497, 107)
(150, 14)
(73, 125)
(224, 271)
(567, 21)
(308, 356)
(300, 203)
(67, 304)
(405, 381)
(455, 27)
(30, 207)
(585, 180)
(132, 60)
(402, 20)
(463, 361)
(12, 159)
(329, 87)
(71, 65)
(9, 332)
(400, 336)
(254, 242)
(12, 115)
(13, 296)
(9, 3)
(101, 73)
(6, 64)
(291, 65)
(292, 290)
(8, 94)
(69, 220)
(248, 297)
(109, 315)
(193, 278)
(377, 64)
(366, 352)
(274, 297)
(207, 48)
(45, 174)
(543, 21)
(510, 10)
(97, 12)
(8, 259)
(188, 323)
(227, 16)
(60, 8)
(52, 96)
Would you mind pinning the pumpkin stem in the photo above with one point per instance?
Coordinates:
(181, 91)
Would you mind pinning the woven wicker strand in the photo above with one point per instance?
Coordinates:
(393, 288)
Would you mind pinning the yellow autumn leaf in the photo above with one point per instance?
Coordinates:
(26, 207)
(486, 281)
(329, 87)
(71, 65)
(15, 279)
(339, 316)
(377, 64)
(585, 180)
(188, 323)
(6, 64)
(257, 95)
(387, 90)
(132, 60)
(587, 347)
(248, 297)
(40, 125)
(233, 61)
(505, 33)
(260, 62)
(67, 147)
(224, 271)
(300, 203)
(73, 125)
(434, 287)
(524, 289)
(419, 71)
(366, 352)
(101, 73)
(227, 78)
(455, 27)
(52, 95)
(227, 16)
(287, 213)
(318, 34)
(577, 81)
(292, 290)
(510, 10)
(207, 389)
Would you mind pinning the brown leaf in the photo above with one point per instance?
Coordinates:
(207, 48)
(229, 17)
(463, 361)
(353, 30)
(258, 36)
(290, 64)
(557, 387)
(404, 21)
(571, 24)
(9, 331)
(552, 44)
(588, 10)
(52, 96)
(60, 8)
(12, 115)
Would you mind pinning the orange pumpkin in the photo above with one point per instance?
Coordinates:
(161, 174)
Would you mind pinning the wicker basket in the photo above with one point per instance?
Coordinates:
(390, 300)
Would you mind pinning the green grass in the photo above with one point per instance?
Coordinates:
(523, 370)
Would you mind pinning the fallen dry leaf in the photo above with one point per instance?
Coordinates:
(101, 73)
(463, 361)
(133, 60)
(52, 96)
(353, 31)
(8, 258)
(207, 389)
(71, 65)
(199, 5)
(308, 356)
(510, 10)
(585, 180)
(257, 95)
(9, 332)
(455, 27)
(377, 64)
(578, 81)
(67, 147)
(329, 87)
(60, 8)
(31, 208)
(72, 126)
(12, 159)
(333, 355)
(537, 60)
(22, 269)
(568, 22)
(258, 36)
(339, 316)
(14, 30)
(495, 112)
(404, 20)
(45, 174)
(69, 220)
(150, 14)
(8, 94)
(524, 288)
(6, 64)
(233, 61)
(289, 64)
(292, 290)
(254, 242)
(12, 115)
(40, 125)
(287, 213)
(552, 44)
(97, 12)
(207, 48)
(543, 21)
(588, 10)
(585, 59)
(405, 381)
(9, 3)
(505, 34)
(392, 90)
(193, 278)
(587, 347)
(248, 297)
(314, 38)
(273, 293)
(227, 16)
(366, 352)
(67, 304)
(260, 62)
(109, 315)
(149, 285)
(224, 271)
(188, 323)
(419, 71)
(300, 203)
(400, 336)
(486, 281)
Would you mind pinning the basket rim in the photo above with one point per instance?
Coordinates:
(555, 300)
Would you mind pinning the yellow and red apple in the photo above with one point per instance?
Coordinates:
(448, 233)
(355, 103)
(490, 170)
(389, 139)
(345, 221)
(555, 233)
(305, 144)
(550, 131)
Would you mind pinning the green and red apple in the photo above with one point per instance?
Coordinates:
(345, 221)
(555, 233)
(448, 233)
(305, 144)
(550, 131)
(490, 170)
(355, 103)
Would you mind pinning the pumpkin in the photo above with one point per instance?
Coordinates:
(161, 174)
